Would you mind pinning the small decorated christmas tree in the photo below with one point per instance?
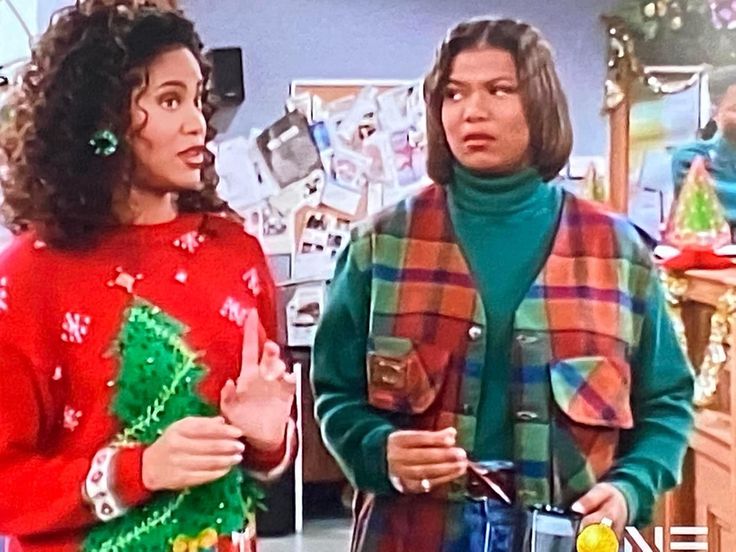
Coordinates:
(157, 387)
(697, 225)
(697, 220)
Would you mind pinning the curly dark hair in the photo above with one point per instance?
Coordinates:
(544, 101)
(80, 79)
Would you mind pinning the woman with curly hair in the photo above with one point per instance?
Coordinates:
(141, 392)
(495, 343)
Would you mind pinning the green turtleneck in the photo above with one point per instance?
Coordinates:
(505, 226)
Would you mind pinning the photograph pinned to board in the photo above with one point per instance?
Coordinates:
(288, 149)
(335, 109)
(321, 137)
(280, 266)
(252, 222)
(275, 228)
(303, 313)
(301, 103)
(377, 148)
(403, 121)
(345, 188)
(406, 165)
(244, 178)
(359, 118)
(322, 237)
(409, 158)
(349, 168)
(305, 191)
(342, 198)
(401, 107)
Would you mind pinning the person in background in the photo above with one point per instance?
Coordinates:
(497, 326)
(717, 145)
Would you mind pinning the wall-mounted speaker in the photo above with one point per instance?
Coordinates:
(227, 86)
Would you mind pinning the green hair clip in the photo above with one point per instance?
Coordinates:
(104, 143)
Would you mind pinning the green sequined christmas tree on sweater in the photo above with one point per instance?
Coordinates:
(157, 387)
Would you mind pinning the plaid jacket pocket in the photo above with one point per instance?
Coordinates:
(593, 390)
(591, 395)
(403, 376)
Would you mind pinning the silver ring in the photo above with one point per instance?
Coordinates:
(426, 485)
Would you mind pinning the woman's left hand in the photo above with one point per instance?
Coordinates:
(603, 501)
(259, 403)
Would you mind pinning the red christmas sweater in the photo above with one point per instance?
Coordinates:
(60, 313)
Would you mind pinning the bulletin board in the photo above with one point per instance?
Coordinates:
(330, 90)
(342, 151)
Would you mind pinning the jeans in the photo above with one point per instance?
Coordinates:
(488, 526)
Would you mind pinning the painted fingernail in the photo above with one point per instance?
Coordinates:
(577, 508)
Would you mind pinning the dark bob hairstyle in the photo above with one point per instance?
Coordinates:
(545, 105)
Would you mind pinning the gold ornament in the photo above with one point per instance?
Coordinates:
(723, 319)
(599, 537)
(623, 66)
(594, 185)
(675, 288)
(205, 541)
(614, 94)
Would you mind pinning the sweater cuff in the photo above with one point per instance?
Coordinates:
(633, 503)
(114, 483)
(375, 476)
(266, 465)
(128, 474)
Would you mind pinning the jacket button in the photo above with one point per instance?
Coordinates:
(468, 409)
(475, 332)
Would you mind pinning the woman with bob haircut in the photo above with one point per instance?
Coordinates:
(142, 394)
(494, 339)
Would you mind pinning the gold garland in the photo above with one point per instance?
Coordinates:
(623, 65)
(721, 322)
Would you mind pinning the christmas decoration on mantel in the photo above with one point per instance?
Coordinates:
(666, 33)
(722, 322)
(623, 65)
(696, 229)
